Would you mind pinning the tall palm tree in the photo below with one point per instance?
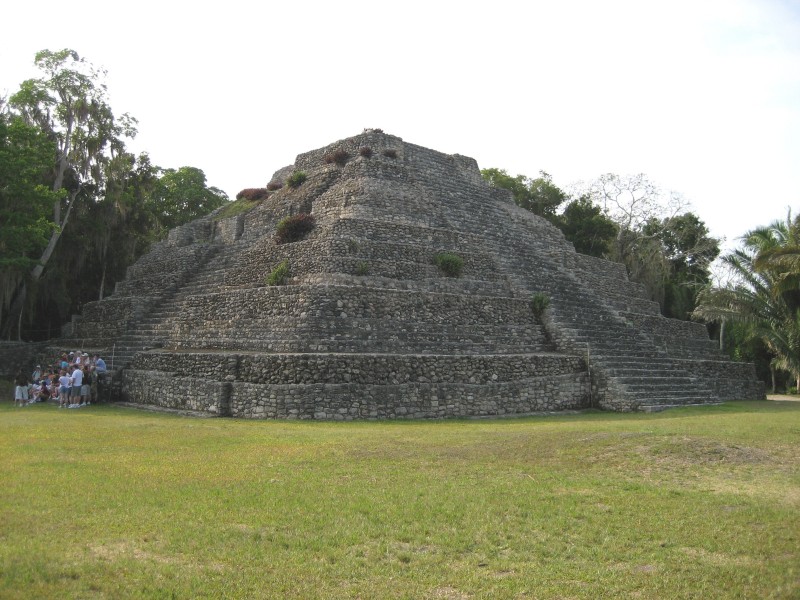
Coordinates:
(766, 292)
(779, 250)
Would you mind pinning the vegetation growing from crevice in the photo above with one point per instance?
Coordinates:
(362, 268)
(294, 228)
(253, 194)
(279, 275)
(338, 156)
(539, 303)
(450, 264)
(296, 179)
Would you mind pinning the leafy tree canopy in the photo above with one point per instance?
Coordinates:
(184, 196)
(540, 195)
(763, 293)
(75, 207)
(584, 224)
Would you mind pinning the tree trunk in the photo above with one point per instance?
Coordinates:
(15, 310)
(54, 237)
(103, 280)
(722, 335)
(772, 372)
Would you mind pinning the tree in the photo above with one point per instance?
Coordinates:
(123, 223)
(540, 195)
(25, 161)
(663, 247)
(68, 104)
(185, 196)
(584, 224)
(688, 250)
(763, 295)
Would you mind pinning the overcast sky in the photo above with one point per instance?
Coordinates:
(703, 96)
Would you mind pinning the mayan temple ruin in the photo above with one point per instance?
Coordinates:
(367, 326)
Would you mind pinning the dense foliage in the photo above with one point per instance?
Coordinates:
(76, 208)
(631, 221)
(763, 295)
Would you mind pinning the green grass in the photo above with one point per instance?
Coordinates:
(106, 502)
(236, 207)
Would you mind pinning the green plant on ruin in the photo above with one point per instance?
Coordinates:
(539, 303)
(362, 268)
(296, 179)
(237, 207)
(353, 246)
(450, 264)
(365, 151)
(279, 274)
(294, 228)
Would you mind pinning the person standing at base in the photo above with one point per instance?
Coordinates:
(77, 383)
(64, 389)
(86, 387)
(21, 391)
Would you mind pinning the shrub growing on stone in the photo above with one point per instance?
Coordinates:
(539, 303)
(296, 179)
(274, 185)
(338, 156)
(294, 228)
(279, 274)
(390, 153)
(450, 264)
(365, 151)
(253, 194)
(362, 268)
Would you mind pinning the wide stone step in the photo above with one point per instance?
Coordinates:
(373, 369)
(310, 347)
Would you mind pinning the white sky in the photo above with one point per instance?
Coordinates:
(701, 95)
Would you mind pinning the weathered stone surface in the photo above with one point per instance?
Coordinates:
(368, 327)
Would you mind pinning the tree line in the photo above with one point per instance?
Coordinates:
(755, 313)
(76, 208)
(630, 220)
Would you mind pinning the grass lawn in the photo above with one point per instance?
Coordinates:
(108, 502)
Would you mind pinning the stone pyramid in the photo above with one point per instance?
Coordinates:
(367, 326)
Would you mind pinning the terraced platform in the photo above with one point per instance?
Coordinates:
(369, 327)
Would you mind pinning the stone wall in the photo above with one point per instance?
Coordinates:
(357, 386)
(18, 355)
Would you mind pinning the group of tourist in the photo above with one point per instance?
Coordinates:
(71, 381)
